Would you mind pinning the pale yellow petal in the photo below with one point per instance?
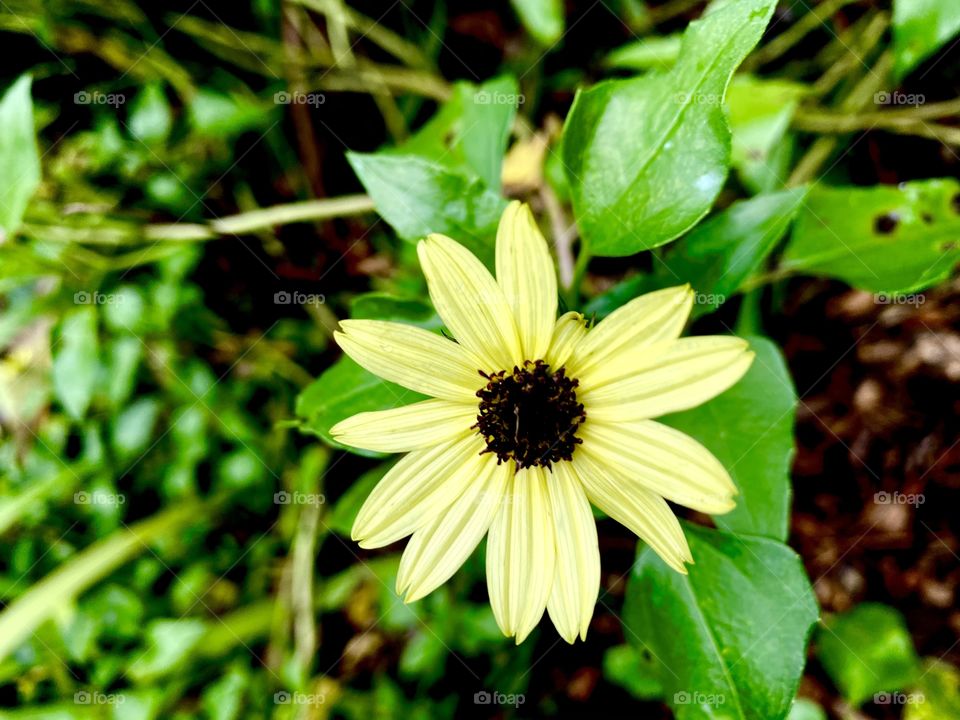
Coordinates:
(662, 459)
(526, 273)
(470, 302)
(411, 427)
(691, 372)
(642, 511)
(521, 554)
(570, 329)
(422, 484)
(412, 357)
(646, 320)
(577, 580)
(439, 548)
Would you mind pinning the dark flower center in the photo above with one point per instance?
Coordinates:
(530, 415)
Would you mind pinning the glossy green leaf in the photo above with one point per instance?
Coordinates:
(723, 251)
(936, 694)
(345, 389)
(638, 186)
(760, 115)
(749, 428)
(488, 113)
(886, 239)
(868, 650)
(76, 360)
(920, 27)
(730, 638)
(19, 156)
(543, 19)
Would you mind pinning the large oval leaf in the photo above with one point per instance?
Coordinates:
(730, 638)
(647, 156)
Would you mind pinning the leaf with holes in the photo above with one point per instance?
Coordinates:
(885, 239)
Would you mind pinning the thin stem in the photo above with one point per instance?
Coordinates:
(795, 33)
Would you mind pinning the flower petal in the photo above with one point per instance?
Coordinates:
(423, 483)
(411, 427)
(439, 548)
(646, 320)
(662, 459)
(691, 372)
(470, 302)
(570, 329)
(525, 272)
(521, 554)
(412, 357)
(576, 583)
(642, 511)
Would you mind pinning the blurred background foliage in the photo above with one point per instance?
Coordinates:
(188, 210)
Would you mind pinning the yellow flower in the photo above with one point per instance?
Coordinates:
(531, 419)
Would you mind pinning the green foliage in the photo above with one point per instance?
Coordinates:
(884, 239)
(730, 637)
(636, 187)
(920, 28)
(868, 650)
(19, 156)
(542, 18)
(749, 429)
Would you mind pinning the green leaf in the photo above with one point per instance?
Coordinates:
(345, 389)
(749, 428)
(632, 670)
(760, 115)
(488, 113)
(936, 694)
(383, 306)
(150, 116)
(216, 115)
(637, 185)
(653, 53)
(168, 644)
(347, 507)
(418, 197)
(730, 637)
(720, 253)
(885, 239)
(76, 361)
(920, 27)
(19, 156)
(868, 650)
(446, 178)
(543, 19)
(804, 709)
